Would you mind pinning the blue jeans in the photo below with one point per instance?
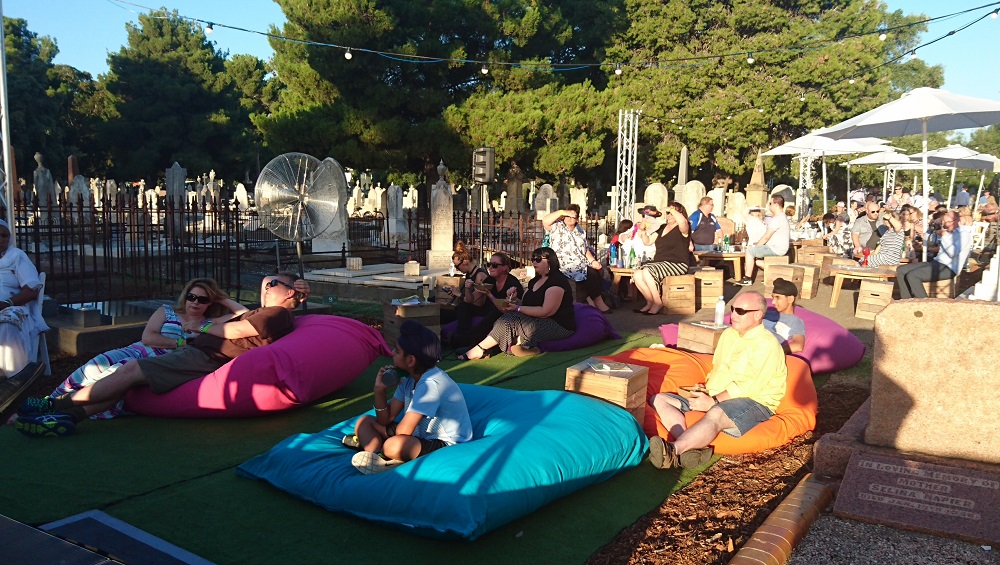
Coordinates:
(745, 413)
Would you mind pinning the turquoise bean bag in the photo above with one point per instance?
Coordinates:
(529, 448)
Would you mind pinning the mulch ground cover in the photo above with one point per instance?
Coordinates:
(710, 519)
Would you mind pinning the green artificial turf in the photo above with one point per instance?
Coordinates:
(176, 479)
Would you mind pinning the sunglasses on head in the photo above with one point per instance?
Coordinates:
(192, 297)
(275, 282)
(743, 311)
(496, 265)
(537, 258)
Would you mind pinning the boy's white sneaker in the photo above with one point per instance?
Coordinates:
(369, 463)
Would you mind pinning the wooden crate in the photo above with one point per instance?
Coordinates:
(787, 272)
(698, 338)
(810, 280)
(944, 288)
(429, 315)
(708, 286)
(678, 295)
(441, 296)
(873, 297)
(765, 262)
(811, 255)
(625, 389)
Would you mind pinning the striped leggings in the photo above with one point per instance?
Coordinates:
(532, 331)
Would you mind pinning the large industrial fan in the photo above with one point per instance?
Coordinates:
(297, 198)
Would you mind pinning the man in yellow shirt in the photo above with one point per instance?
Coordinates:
(744, 387)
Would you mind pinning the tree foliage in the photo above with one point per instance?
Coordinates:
(171, 100)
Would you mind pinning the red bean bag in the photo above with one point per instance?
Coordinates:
(672, 368)
(321, 355)
(829, 346)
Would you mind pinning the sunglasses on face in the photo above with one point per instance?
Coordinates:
(742, 311)
(192, 297)
(275, 282)
(537, 258)
(573, 217)
(496, 265)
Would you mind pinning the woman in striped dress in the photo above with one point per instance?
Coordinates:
(201, 301)
(891, 244)
(670, 259)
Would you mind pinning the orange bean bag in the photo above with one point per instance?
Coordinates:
(672, 368)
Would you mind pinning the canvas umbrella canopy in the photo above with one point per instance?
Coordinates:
(880, 158)
(920, 111)
(820, 146)
(961, 157)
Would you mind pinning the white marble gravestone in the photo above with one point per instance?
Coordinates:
(442, 223)
(694, 191)
(656, 194)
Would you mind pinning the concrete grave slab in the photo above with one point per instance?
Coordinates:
(366, 271)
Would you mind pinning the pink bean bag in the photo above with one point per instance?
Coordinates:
(320, 356)
(829, 346)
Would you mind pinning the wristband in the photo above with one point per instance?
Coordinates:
(377, 409)
(205, 326)
(181, 342)
(715, 398)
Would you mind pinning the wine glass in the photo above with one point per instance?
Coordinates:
(426, 290)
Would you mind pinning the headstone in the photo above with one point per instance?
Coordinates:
(578, 196)
(502, 204)
(917, 495)
(757, 190)
(718, 196)
(379, 201)
(210, 192)
(515, 189)
(442, 223)
(411, 198)
(562, 193)
(79, 196)
(694, 191)
(44, 186)
(72, 169)
(176, 177)
(394, 215)
(736, 203)
(945, 407)
(545, 201)
(241, 197)
(111, 189)
(656, 194)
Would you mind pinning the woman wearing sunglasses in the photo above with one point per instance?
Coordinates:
(578, 261)
(545, 313)
(670, 259)
(504, 286)
(200, 303)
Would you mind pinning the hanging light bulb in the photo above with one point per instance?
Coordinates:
(484, 70)
(993, 16)
(618, 69)
(750, 58)
(348, 55)
(209, 29)
(881, 36)
(913, 55)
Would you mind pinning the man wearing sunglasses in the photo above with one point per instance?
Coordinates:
(216, 346)
(744, 387)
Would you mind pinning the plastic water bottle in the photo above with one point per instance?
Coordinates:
(720, 310)
(614, 254)
(390, 377)
(451, 271)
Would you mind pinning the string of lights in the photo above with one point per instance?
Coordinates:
(882, 31)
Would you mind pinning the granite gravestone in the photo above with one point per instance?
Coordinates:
(45, 191)
(921, 496)
(394, 215)
(545, 201)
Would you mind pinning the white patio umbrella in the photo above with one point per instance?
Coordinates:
(820, 146)
(881, 158)
(919, 111)
(961, 157)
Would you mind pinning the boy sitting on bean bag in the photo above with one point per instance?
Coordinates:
(435, 413)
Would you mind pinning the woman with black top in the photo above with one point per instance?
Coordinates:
(503, 283)
(670, 259)
(545, 313)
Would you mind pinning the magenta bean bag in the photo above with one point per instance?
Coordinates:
(591, 327)
(829, 346)
(320, 356)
